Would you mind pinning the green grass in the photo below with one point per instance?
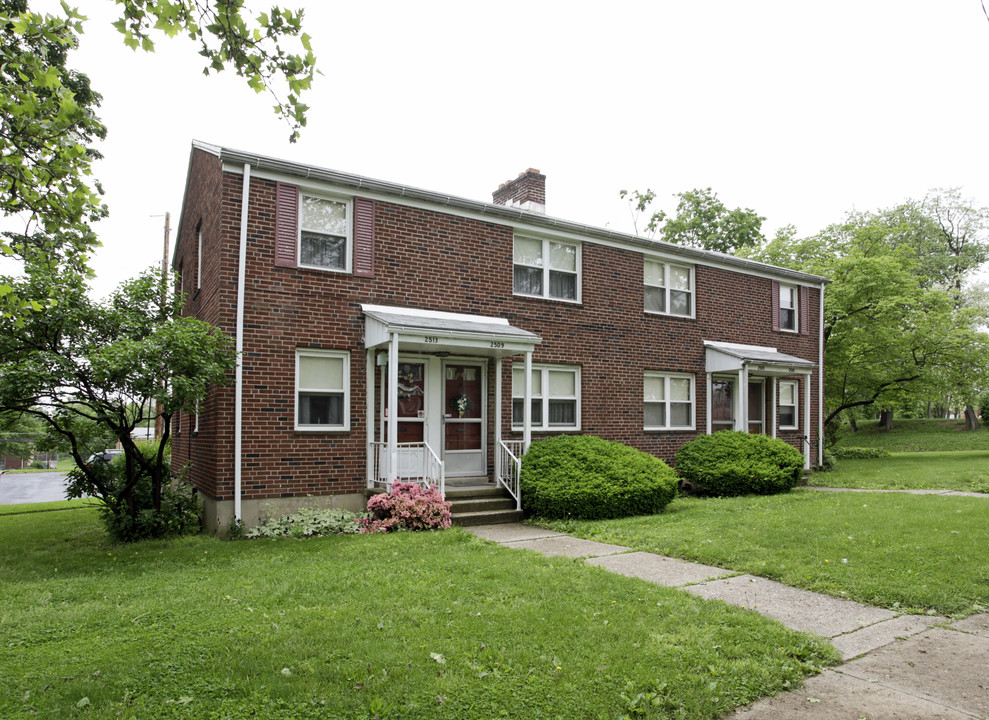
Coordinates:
(412, 625)
(912, 553)
(918, 435)
(64, 465)
(961, 470)
(47, 506)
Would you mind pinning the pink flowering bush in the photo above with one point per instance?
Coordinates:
(408, 506)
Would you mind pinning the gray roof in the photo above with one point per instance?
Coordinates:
(513, 214)
(481, 326)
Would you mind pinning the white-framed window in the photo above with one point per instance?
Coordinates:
(555, 397)
(668, 401)
(669, 289)
(324, 233)
(788, 404)
(546, 268)
(322, 390)
(788, 308)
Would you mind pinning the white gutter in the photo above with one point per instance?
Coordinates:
(239, 378)
(820, 386)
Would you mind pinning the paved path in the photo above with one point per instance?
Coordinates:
(896, 666)
(959, 493)
(33, 487)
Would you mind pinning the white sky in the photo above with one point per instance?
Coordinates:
(801, 111)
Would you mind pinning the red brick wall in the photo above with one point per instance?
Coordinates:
(431, 260)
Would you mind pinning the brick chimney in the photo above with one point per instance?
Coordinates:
(527, 191)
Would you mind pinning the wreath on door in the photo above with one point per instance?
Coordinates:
(461, 403)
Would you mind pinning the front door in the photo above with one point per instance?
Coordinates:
(411, 417)
(757, 407)
(464, 451)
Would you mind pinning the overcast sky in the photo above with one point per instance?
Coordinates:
(799, 110)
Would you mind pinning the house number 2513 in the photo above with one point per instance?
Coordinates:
(431, 339)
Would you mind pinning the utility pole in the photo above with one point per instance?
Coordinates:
(159, 423)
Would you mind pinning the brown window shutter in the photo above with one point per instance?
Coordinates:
(804, 310)
(363, 237)
(286, 224)
(775, 299)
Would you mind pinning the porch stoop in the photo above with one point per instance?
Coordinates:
(480, 503)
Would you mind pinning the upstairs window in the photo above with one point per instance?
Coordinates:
(324, 233)
(669, 289)
(555, 397)
(322, 381)
(788, 308)
(669, 401)
(546, 268)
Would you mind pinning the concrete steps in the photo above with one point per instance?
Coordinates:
(480, 503)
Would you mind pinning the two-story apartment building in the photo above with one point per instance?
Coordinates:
(390, 332)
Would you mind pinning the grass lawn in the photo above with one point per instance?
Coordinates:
(64, 465)
(959, 470)
(413, 625)
(918, 435)
(47, 506)
(912, 553)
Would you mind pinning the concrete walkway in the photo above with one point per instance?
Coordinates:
(958, 493)
(896, 666)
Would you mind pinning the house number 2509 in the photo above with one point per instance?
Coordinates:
(497, 344)
(431, 339)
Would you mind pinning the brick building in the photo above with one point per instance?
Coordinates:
(484, 324)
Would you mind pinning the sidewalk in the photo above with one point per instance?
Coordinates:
(896, 666)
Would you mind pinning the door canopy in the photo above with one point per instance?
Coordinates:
(443, 333)
(725, 357)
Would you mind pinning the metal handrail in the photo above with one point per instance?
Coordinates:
(510, 468)
(427, 469)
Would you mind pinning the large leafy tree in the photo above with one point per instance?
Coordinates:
(49, 127)
(87, 369)
(701, 220)
(892, 325)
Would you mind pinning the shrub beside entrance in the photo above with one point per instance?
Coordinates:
(732, 463)
(582, 476)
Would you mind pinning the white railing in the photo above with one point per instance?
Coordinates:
(510, 468)
(415, 462)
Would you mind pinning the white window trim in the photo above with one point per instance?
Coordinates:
(796, 307)
(345, 356)
(546, 269)
(796, 404)
(666, 376)
(544, 397)
(348, 243)
(666, 288)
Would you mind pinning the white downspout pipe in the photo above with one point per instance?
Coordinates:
(820, 386)
(239, 376)
(807, 451)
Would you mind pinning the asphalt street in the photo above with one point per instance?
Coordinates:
(34, 487)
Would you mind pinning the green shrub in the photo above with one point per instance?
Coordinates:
(132, 516)
(309, 522)
(587, 477)
(859, 453)
(737, 463)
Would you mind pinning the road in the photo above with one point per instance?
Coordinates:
(34, 487)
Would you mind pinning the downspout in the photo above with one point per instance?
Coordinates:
(820, 386)
(239, 377)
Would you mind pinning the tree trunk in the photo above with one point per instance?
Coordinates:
(852, 425)
(971, 418)
(886, 420)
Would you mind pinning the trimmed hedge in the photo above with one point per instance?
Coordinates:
(732, 463)
(859, 453)
(585, 477)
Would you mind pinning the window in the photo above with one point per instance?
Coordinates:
(669, 401)
(324, 233)
(788, 405)
(545, 268)
(788, 308)
(555, 397)
(668, 288)
(322, 379)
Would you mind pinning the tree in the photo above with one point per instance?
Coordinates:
(85, 368)
(889, 330)
(701, 220)
(18, 434)
(48, 120)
